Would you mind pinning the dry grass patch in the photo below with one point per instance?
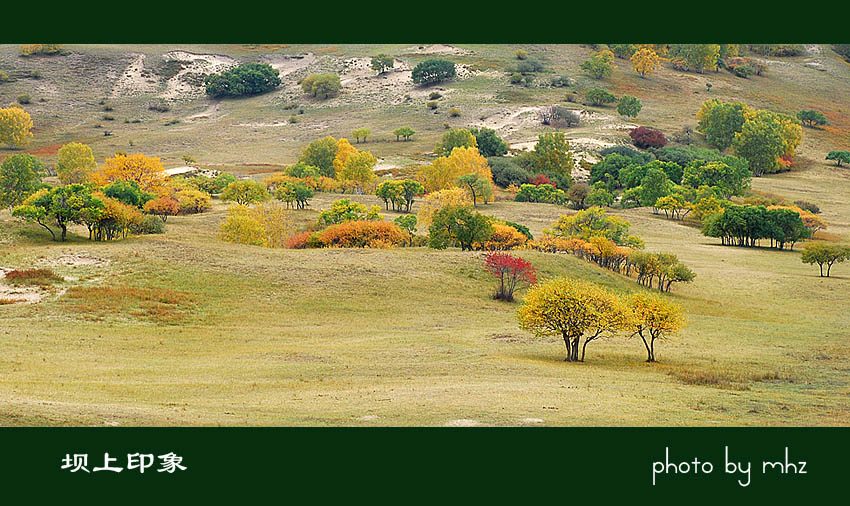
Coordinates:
(732, 379)
(33, 277)
(158, 305)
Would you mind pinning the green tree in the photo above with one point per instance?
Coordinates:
(128, 192)
(489, 144)
(321, 85)
(761, 142)
(839, 157)
(825, 254)
(381, 63)
(245, 192)
(20, 176)
(455, 138)
(361, 133)
(321, 153)
(811, 118)
(696, 57)
(405, 132)
(478, 186)
(344, 210)
(729, 179)
(629, 106)
(599, 96)
(459, 225)
(245, 79)
(433, 71)
(61, 205)
(599, 66)
(552, 155)
(720, 121)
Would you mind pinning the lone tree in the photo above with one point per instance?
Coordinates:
(382, 63)
(573, 309)
(321, 85)
(405, 132)
(839, 157)
(15, 127)
(825, 254)
(629, 106)
(599, 96)
(653, 318)
(644, 61)
(433, 71)
(510, 271)
(811, 118)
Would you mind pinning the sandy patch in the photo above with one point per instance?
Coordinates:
(187, 83)
(210, 112)
(437, 49)
(531, 421)
(287, 64)
(136, 80)
(77, 260)
(19, 294)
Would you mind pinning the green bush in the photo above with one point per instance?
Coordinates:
(24, 99)
(148, 224)
(246, 79)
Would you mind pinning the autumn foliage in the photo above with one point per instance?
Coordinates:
(363, 234)
(510, 271)
(644, 137)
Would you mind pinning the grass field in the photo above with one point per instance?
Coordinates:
(405, 337)
(184, 329)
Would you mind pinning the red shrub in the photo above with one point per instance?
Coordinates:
(510, 271)
(644, 137)
(540, 179)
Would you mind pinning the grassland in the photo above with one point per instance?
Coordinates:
(183, 329)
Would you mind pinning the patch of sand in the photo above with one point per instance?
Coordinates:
(180, 86)
(20, 294)
(437, 49)
(287, 64)
(136, 80)
(77, 260)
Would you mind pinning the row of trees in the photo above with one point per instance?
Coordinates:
(748, 225)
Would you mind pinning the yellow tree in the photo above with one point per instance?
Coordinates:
(653, 318)
(445, 171)
(572, 309)
(358, 168)
(75, 163)
(344, 150)
(437, 200)
(148, 172)
(15, 127)
(644, 61)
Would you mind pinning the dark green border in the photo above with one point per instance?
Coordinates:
(384, 21)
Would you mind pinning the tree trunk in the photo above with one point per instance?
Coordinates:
(575, 349)
(567, 344)
(646, 345)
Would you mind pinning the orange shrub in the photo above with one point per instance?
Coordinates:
(303, 240)
(363, 234)
(504, 237)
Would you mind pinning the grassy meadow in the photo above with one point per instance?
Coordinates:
(185, 329)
